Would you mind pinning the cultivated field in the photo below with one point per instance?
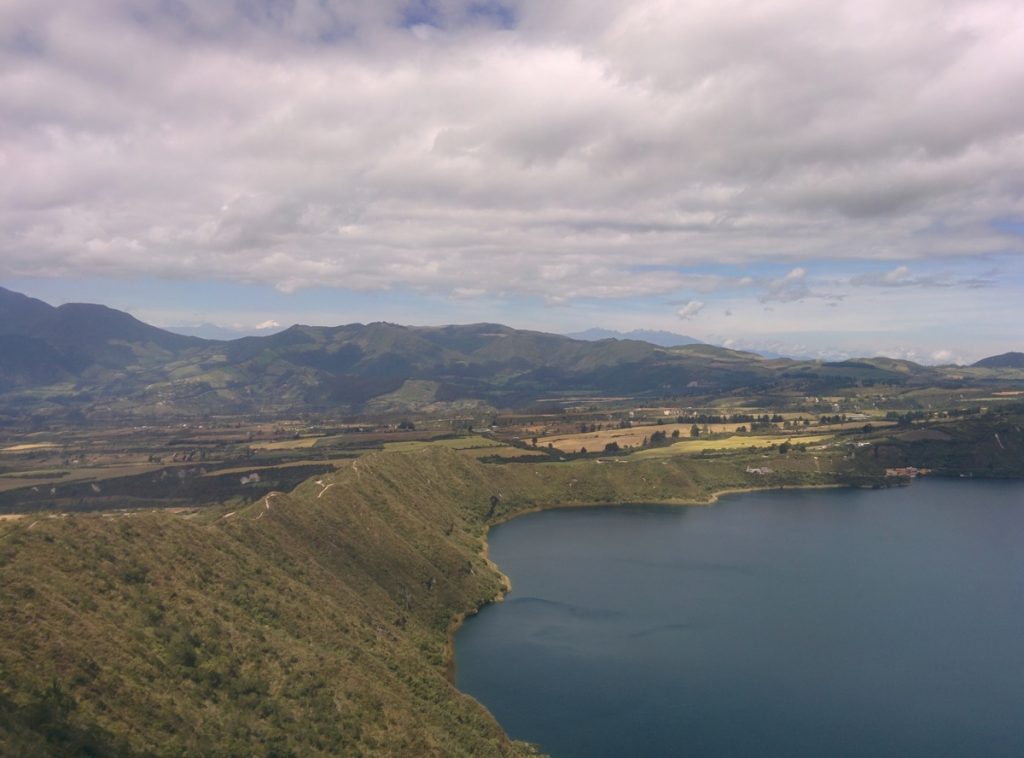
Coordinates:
(457, 443)
(736, 442)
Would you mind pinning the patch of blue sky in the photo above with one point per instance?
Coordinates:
(1014, 226)
(419, 13)
(27, 42)
(704, 269)
(498, 14)
(137, 293)
(1001, 265)
(428, 13)
(724, 269)
(173, 302)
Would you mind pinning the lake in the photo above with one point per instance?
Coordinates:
(786, 623)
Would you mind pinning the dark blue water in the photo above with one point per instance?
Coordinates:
(804, 623)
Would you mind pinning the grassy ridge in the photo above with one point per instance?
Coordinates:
(315, 626)
(317, 622)
(314, 622)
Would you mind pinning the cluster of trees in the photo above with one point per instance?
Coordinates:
(659, 438)
(839, 418)
(906, 419)
(734, 418)
(701, 421)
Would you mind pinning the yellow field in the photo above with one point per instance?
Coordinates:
(299, 444)
(876, 423)
(501, 451)
(28, 446)
(736, 442)
(459, 443)
(594, 442)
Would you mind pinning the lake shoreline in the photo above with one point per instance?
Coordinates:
(506, 651)
(459, 619)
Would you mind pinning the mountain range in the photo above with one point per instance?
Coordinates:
(104, 362)
(654, 336)
(215, 332)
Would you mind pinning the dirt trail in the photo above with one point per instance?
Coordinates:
(266, 505)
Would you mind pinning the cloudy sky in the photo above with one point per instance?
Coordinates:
(842, 177)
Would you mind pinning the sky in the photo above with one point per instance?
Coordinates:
(815, 178)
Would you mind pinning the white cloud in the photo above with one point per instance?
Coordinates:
(269, 324)
(690, 310)
(789, 288)
(901, 276)
(897, 275)
(326, 144)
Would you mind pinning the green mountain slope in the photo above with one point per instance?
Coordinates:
(304, 625)
(1006, 360)
(310, 623)
(317, 622)
(104, 363)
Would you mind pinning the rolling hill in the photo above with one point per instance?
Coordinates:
(1006, 360)
(90, 359)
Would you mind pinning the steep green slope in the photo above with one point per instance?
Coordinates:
(305, 625)
(317, 622)
(312, 623)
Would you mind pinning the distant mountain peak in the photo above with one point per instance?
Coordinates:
(657, 337)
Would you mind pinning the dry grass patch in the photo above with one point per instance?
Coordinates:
(28, 447)
(503, 451)
(299, 444)
(632, 437)
(458, 443)
(736, 442)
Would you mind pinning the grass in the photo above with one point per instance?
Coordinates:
(50, 473)
(502, 451)
(317, 626)
(456, 443)
(301, 443)
(310, 623)
(277, 466)
(633, 437)
(26, 447)
(75, 474)
(736, 442)
(318, 622)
